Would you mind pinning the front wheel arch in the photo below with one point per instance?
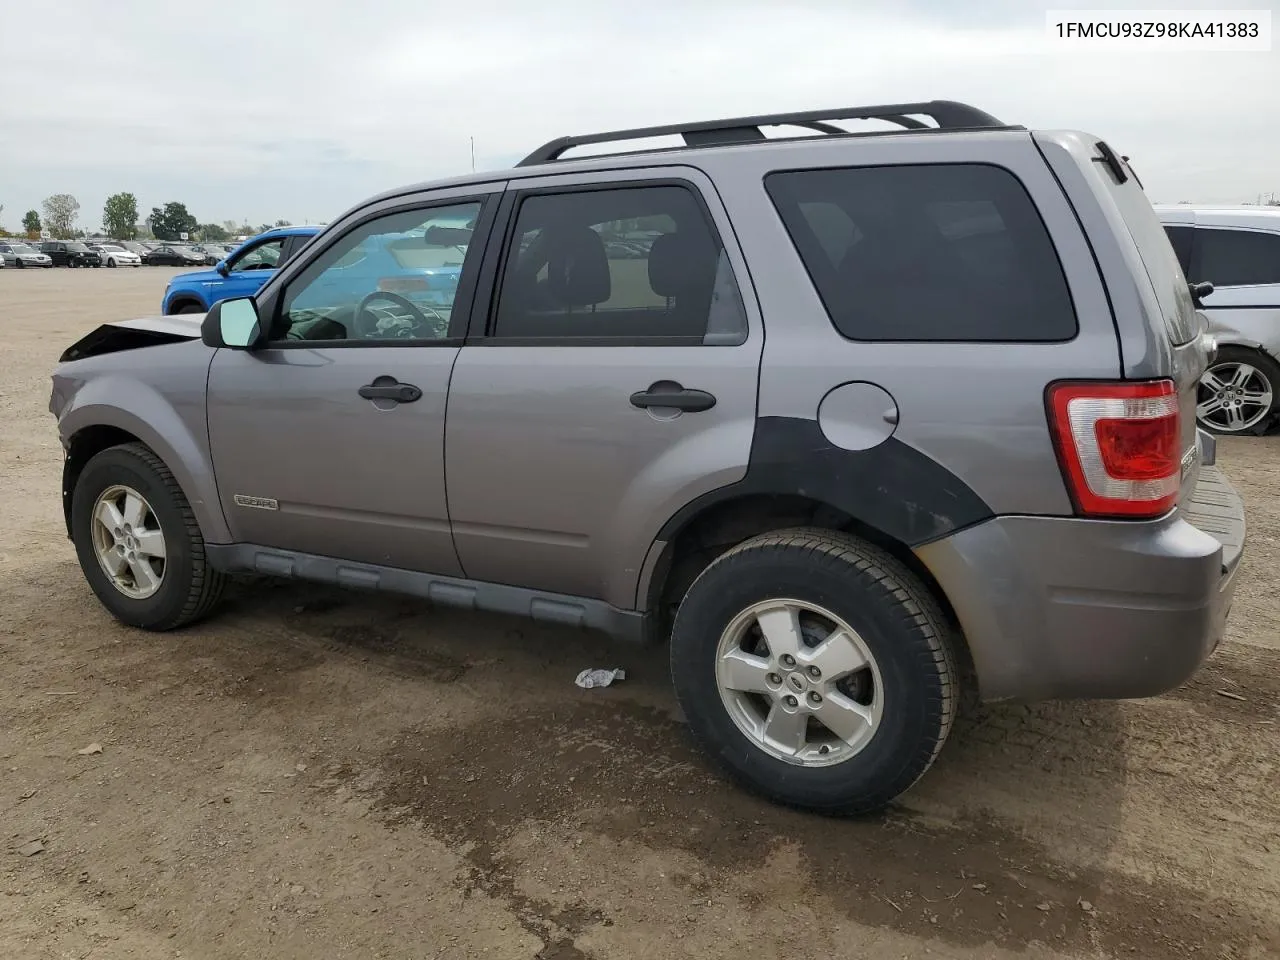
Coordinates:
(185, 304)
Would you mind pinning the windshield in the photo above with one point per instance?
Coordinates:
(76, 247)
(111, 248)
(20, 248)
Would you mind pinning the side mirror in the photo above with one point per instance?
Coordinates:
(1201, 290)
(222, 267)
(232, 323)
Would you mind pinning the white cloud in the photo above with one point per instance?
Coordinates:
(298, 109)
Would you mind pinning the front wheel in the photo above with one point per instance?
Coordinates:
(815, 669)
(1239, 393)
(138, 542)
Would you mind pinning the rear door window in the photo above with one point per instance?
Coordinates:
(936, 252)
(1237, 258)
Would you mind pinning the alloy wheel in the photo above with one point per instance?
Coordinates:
(799, 682)
(128, 541)
(1234, 396)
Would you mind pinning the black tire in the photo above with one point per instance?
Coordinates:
(897, 618)
(111, 262)
(1267, 368)
(189, 307)
(189, 588)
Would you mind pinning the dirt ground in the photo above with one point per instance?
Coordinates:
(316, 773)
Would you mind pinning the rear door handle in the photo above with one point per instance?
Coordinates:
(690, 401)
(388, 388)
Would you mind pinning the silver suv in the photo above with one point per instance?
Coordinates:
(1233, 254)
(859, 422)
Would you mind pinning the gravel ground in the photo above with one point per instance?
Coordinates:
(323, 773)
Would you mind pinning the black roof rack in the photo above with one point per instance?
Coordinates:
(947, 114)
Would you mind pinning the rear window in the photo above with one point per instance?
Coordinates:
(931, 252)
(1158, 257)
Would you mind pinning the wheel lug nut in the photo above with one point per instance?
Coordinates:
(788, 660)
(814, 697)
(792, 702)
(774, 679)
(815, 673)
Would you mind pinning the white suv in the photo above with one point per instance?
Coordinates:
(1237, 249)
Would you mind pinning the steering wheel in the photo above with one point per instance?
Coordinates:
(362, 330)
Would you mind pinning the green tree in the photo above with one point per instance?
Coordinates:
(120, 216)
(31, 223)
(283, 223)
(172, 221)
(212, 232)
(60, 213)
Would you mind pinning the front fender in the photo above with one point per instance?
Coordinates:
(170, 422)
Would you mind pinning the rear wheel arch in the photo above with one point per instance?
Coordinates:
(703, 531)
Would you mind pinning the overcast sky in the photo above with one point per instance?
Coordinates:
(296, 109)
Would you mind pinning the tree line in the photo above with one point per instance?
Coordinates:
(61, 213)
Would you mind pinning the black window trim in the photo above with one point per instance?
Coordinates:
(484, 310)
(1062, 268)
(271, 303)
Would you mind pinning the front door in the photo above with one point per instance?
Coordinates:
(330, 439)
(615, 382)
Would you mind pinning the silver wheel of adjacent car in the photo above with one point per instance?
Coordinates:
(1234, 396)
(799, 682)
(128, 541)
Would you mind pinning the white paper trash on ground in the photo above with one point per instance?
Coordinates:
(599, 678)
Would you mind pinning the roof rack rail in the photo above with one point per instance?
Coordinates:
(947, 114)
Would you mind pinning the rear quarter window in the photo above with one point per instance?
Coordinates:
(927, 252)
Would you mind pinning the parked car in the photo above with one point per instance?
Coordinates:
(964, 458)
(17, 254)
(1237, 251)
(240, 274)
(115, 255)
(70, 253)
(173, 255)
(134, 246)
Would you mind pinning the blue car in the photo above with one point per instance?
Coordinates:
(423, 268)
(242, 274)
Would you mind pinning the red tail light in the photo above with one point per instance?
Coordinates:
(1119, 445)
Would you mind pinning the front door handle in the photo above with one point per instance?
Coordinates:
(690, 401)
(389, 388)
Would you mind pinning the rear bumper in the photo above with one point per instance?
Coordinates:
(1068, 608)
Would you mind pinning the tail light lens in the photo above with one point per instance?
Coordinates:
(1119, 445)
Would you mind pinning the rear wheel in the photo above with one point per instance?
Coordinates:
(138, 542)
(1239, 393)
(814, 668)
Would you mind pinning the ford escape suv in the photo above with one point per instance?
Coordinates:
(859, 422)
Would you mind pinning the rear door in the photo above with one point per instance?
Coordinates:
(613, 380)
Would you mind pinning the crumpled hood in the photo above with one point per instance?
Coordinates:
(132, 334)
